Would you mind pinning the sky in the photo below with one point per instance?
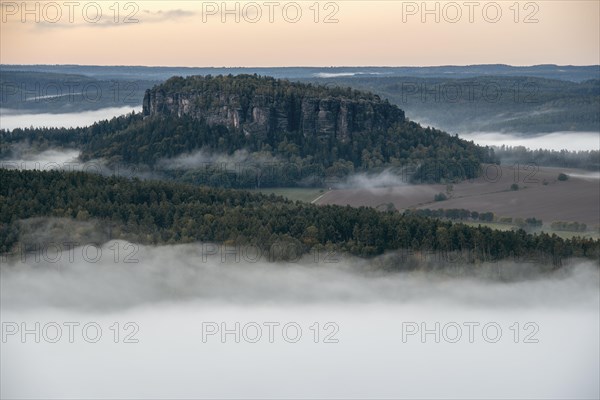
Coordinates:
(300, 33)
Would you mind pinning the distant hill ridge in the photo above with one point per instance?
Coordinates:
(575, 73)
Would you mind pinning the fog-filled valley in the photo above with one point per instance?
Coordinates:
(179, 299)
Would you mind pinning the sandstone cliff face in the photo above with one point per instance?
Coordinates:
(260, 114)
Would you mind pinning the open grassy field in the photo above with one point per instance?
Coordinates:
(540, 195)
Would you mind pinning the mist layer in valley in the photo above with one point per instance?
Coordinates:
(340, 326)
(571, 141)
(28, 158)
(10, 119)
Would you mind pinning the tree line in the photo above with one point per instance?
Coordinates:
(583, 159)
(156, 212)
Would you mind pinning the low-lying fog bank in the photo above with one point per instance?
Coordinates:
(120, 275)
(50, 159)
(11, 119)
(571, 141)
(125, 320)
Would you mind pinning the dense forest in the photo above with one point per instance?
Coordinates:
(316, 131)
(39, 139)
(462, 214)
(159, 212)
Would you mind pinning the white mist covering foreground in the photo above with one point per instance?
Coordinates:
(175, 292)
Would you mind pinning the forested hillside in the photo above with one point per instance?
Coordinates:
(329, 132)
(155, 212)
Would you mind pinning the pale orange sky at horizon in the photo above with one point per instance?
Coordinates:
(300, 33)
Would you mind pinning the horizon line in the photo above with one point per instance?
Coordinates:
(308, 66)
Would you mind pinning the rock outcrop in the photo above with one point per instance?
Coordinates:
(276, 106)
